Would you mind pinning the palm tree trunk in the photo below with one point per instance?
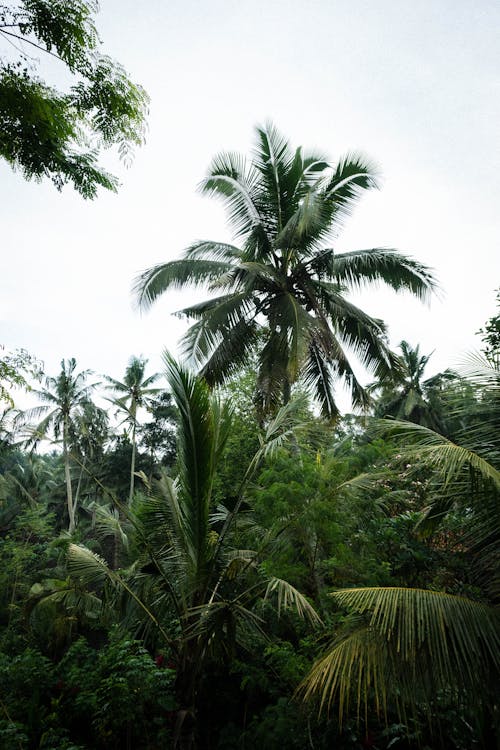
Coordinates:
(185, 688)
(79, 485)
(132, 465)
(287, 391)
(67, 472)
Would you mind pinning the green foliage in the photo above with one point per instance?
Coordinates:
(25, 555)
(415, 647)
(68, 415)
(15, 370)
(108, 697)
(490, 336)
(134, 392)
(60, 134)
(190, 580)
(224, 564)
(405, 395)
(119, 686)
(243, 441)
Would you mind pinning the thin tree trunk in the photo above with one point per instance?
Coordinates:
(67, 472)
(132, 465)
(185, 688)
(79, 485)
(287, 391)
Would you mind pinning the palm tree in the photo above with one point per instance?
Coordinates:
(136, 392)
(282, 290)
(189, 580)
(66, 399)
(90, 435)
(406, 395)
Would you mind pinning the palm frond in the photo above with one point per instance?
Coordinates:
(87, 566)
(415, 646)
(217, 318)
(437, 451)
(309, 223)
(295, 326)
(209, 250)
(154, 281)
(290, 598)
(280, 429)
(203, 431)
(228, 353)
(361, 267)
(353, 174)
(91, 570)
(318, 378)
(231, 179)
(272, 374)
(108, 523)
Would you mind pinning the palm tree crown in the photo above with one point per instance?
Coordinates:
(134, 392)
(407, 395)
(66, 398)
(282, 290)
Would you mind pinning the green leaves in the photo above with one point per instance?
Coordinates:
(46, 132)
(155, 281)
(290, 598)
(414, 646)
(438, 452)
(67, 27)
(203, 430)
(363, 267)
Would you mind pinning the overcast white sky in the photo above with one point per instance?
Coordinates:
(414, 84)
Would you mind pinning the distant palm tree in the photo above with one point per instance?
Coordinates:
(405, 394)
(136, 393)
(283, 291)
(66, 399)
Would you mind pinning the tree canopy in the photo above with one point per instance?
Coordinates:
(48, 132)
(283, 291)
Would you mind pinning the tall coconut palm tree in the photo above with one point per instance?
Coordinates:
(66, 398)
(284, 289)
(135, 393)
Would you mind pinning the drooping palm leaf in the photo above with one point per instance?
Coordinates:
(290, 598)
(415, 646)
(175, 275)
(92, 570)
(358, 268)
(437, 451)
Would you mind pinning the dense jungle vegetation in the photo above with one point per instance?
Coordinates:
(213, 556)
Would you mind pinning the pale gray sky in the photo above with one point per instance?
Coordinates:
(415, 85)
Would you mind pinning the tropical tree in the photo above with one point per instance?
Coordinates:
(89, 435)
(157, 435)
(282, 290)
(45, 132)
(490, 336)
(406, 395)
(136, 392)
(190, 580)
(66, 398)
